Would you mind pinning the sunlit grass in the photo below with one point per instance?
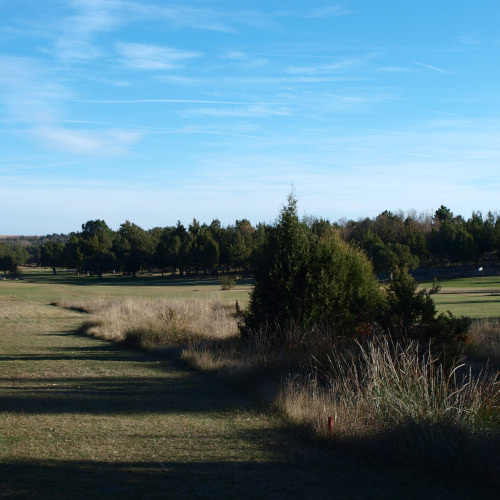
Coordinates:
(43, 286)
(475, 297)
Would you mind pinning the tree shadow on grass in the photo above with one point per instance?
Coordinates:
(293, 476)
(155, 383)
(120, 280)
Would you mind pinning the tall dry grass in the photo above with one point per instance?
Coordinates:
(394, 401)
(156, 324)
(484, 341)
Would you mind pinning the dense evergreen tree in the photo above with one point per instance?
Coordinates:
(304, 279)
(96, 243)
(12, 256)
(133, 248)
(52, 255)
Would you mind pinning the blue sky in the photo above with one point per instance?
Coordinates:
(155, 112)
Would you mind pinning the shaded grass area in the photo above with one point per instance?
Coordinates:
(83, 418)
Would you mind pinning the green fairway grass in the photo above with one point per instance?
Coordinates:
(42, 285)
(475, 297)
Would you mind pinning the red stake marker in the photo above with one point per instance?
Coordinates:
(330, 426)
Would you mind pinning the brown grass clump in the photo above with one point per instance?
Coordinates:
(484, 341)
(393, 401)
(156, 324)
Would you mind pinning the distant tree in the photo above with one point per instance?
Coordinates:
(208, 251)
(389, 227)
(463, 244)
(241, 244)
(7, 264)
(96, 244)
(388, 256)
(415, 236)
(443, 214)
(134, 248)
(52, 254)
(35, 254)
(73, 253)
(481, 231)
(12, 255)
(162, 256)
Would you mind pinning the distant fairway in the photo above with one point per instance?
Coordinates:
(474, 297)
(42, 285)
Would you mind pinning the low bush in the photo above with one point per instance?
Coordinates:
(227, 282)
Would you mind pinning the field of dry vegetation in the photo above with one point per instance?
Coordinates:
(395, 401)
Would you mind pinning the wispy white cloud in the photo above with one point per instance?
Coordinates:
(433, 68)
(179, 16)
(192, 130)
(394, 69)
(253, 111)
(280, 79)
(329, 11)
(153, 57)
(244, 59)
(37, 104)
(145, 101)
(75, 38)
(163, 130)
(29, 92)
(322, 69)
(81, 142)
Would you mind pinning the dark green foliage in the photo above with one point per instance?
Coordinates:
(303, 279)
(97, 247)
(133, 247)
(227, 283)
(407, 306)
(11, 256)
(52, 254)
(388, 256)
(436, 287)
(411, 313)
(447, 328)
(7, 264)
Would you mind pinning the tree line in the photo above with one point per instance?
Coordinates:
(390, 240)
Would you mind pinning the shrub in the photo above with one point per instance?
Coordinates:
(436, 287)
(306, 279)
(407, 305)
(227, 282)
(412, 313)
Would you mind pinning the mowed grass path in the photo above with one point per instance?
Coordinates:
(83, 418)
